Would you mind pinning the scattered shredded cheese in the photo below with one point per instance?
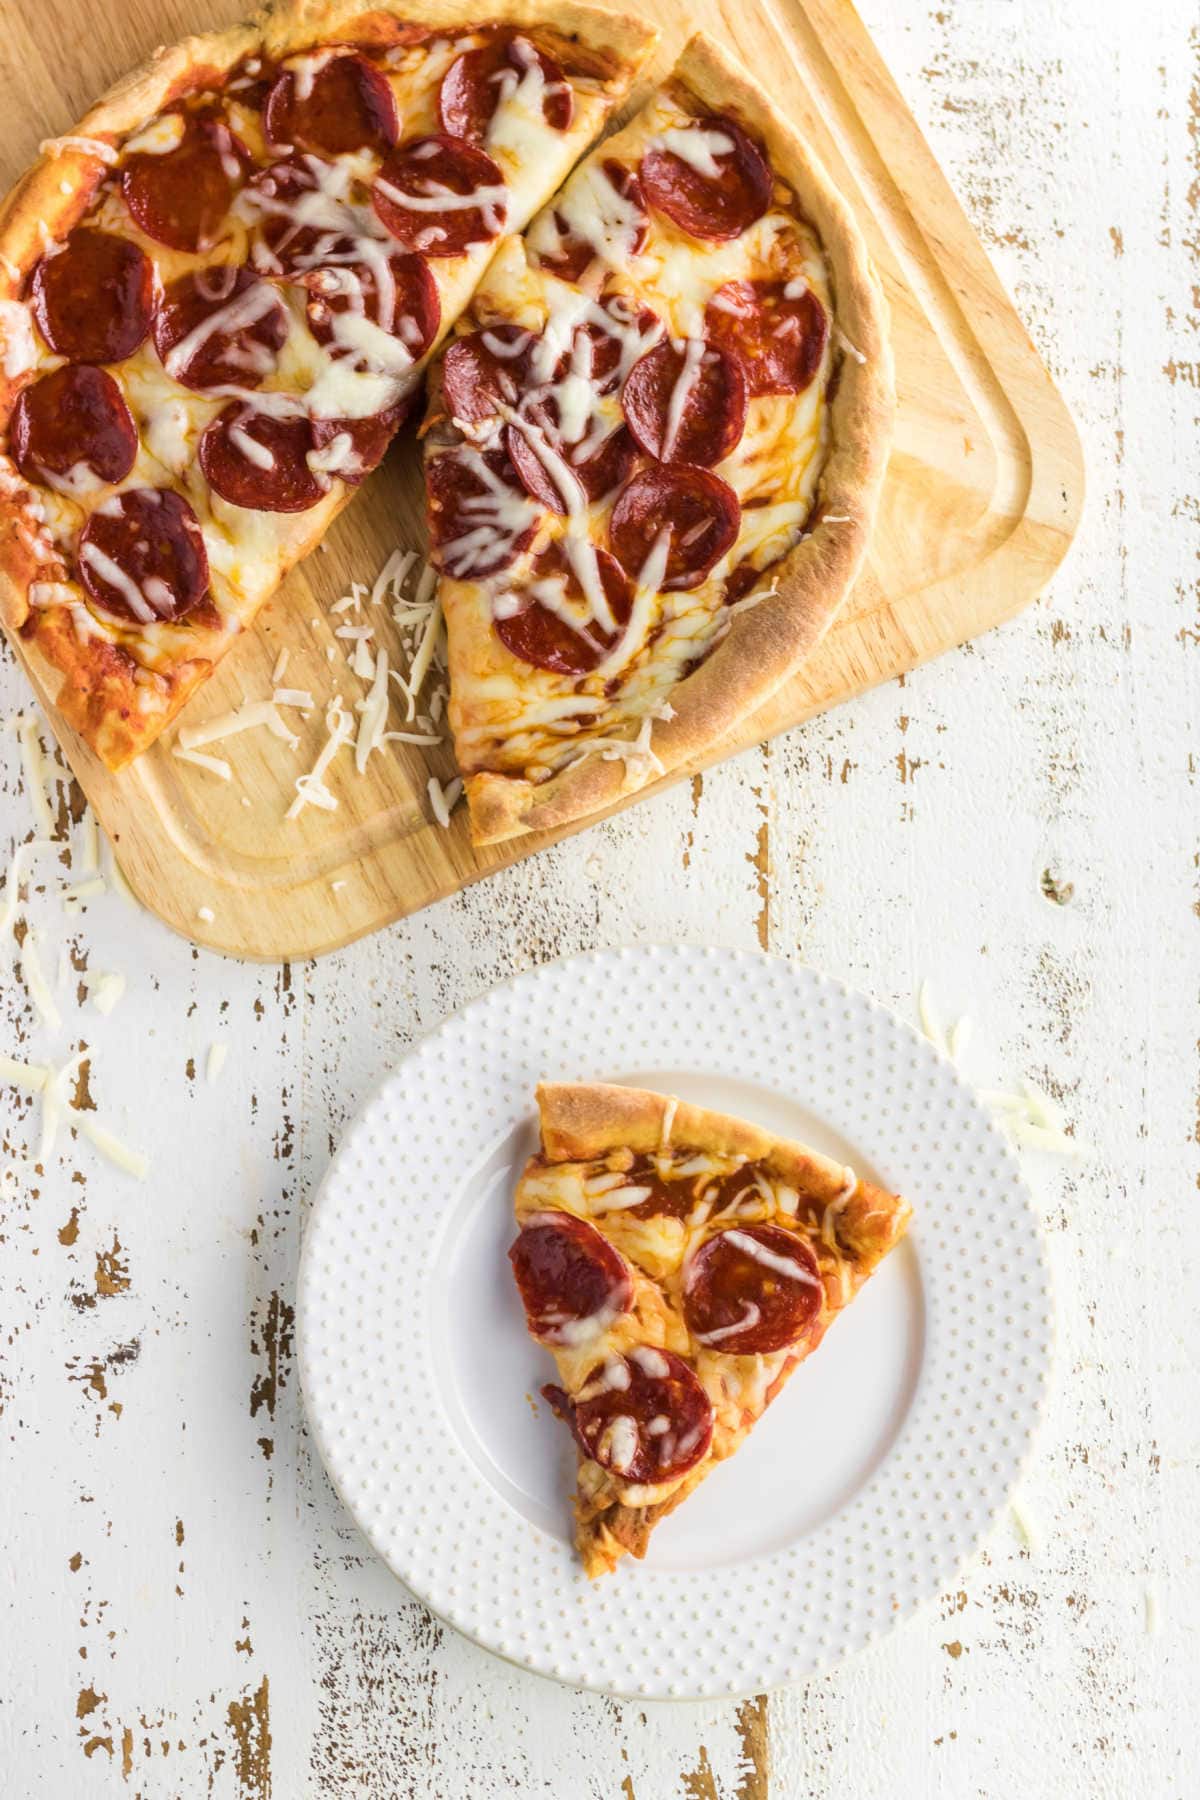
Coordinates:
(373, 715)
(32, 1077)
(18, 873)
(243, 718)
(1152, 1611)
(39, 987)
(33, 762)
(216, 765)
(132, 1161)
(89, 861)
(104, 990)
(443, 800)
(85, 890)
(281, 663)
(1026, 1524)
(310, 788)
(217, 1052)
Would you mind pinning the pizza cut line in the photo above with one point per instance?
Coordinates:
(678, 1265)
(653, 453)
(218, 294)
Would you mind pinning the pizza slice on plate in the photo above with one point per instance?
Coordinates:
(653, 453)
(216, 299)
(678, 1265)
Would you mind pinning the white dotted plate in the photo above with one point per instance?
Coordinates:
(876, 1472)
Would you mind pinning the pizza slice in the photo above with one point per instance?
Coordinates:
(653, 453)
(678, 1265)
(217, 297)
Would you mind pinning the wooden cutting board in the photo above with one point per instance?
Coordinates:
(982, 498)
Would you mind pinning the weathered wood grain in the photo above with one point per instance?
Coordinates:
(160, 1509)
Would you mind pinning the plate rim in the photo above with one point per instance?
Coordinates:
(794, 967)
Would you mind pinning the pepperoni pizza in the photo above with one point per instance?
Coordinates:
(216, 298)
(678, 1265)
(653, 453)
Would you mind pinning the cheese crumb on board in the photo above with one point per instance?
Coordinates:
(217, 1052)
(443, 800)
(215, 765)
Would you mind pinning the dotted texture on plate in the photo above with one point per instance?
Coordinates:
(365, 1361)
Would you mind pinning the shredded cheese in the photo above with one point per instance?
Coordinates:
(132, 1161)
(243, 718)
(310, 788)
(217, 1052)
(104, 990)
(84, 890)
(1026, 1524)
(443, 800)
(32, 1077)
(215, 765)
(17, 873)
(89, 861)
(33, 762)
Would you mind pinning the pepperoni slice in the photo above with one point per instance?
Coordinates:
(479, 519)
(351, 448)
(142, 555)
(597, 470)
(418, 194)
(219, 326)
(181, 198)
(700, 511)
(259, 459)
(395, 292)
(751, 1289)
(685, 402)
(621, 219)
(607, 348)
(337, 103)
(478, 80)
(779, 335)
(572, 1281)
(300, 222)
(644, 1416)
(716, 192)
(93, 298)
(482, 368)
(74, 418)
(539, 636)
(739, 582)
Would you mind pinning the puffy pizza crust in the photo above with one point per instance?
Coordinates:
(584, 1122)
(768, 642)
(118, 707)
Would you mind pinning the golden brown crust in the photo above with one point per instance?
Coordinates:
(584, 1122)
(768, 642)
(101, 688)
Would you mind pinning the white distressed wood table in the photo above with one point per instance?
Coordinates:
(185, 1608)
